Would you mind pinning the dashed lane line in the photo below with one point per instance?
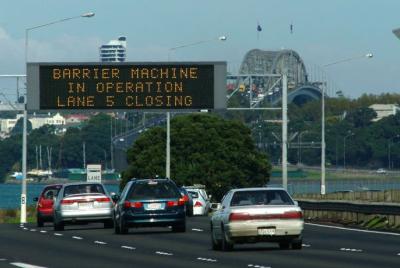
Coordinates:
(258, 266)
(164, 253)
(206, 259)
(33, 230)
(77, 237)
(58, 234)
(306, 245)
(128, 247)
(351, 249)
(100, 242)
(25, 265)
(2, 259)
(197, 230)
(43, 231)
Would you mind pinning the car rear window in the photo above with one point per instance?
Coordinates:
(50, 192)
(266, 197)
(194, 194)
(83, 189)
(150, 190)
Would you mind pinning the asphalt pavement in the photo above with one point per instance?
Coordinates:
(92, 246)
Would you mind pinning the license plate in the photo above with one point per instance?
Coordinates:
(85, 205)
(154, 206)
(266, 231)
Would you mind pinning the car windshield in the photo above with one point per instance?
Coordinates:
(263, 197)
(83, 189)
(150, 190)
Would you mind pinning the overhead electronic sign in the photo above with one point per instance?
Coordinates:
(100, 86)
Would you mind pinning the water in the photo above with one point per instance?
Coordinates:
(10, 194)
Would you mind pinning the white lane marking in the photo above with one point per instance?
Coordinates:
(77, 237)
(258, 266)
(25, 265)
(43, 231)
(206, 259)
(351, 229)
(100, 242)
(306, 245)
(57, 234)
(25, 228)
(33, 230)
(197, 230)
(128, 247)
(3, 259)
(398, 254)
(351, 249)
(164, 253)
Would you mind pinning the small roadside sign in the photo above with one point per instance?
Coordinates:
(93, 172)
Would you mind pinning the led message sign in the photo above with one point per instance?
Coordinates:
(125, 86)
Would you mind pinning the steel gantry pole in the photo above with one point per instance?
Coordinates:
(25, 119)
(284, 131)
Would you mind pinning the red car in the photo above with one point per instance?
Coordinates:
(44, 206)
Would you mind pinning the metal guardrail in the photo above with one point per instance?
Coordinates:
(345, 206)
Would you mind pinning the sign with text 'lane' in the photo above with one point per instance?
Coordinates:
(99, 86)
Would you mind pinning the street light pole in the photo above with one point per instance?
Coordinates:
(389, 153)
(168, 138)
(25, 120)
(323, 145)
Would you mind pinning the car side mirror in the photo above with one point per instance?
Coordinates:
(36, 199)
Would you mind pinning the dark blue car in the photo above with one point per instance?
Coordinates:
(150, 203)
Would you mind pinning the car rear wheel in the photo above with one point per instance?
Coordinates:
(297, 244)
(58, 226)
(284, 245)
(179, 228)
(216, 245)
(116, 228)
(226, 244)
(39, 221)
(123, 229)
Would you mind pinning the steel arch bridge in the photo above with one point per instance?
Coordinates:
(259, 62)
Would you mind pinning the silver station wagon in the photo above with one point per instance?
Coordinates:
(82, 202)
(251, 215)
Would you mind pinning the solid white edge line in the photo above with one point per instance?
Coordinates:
(25, 265)
(351, 229)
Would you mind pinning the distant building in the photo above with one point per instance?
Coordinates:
(8, 124)
(384, 110)
(40, 120)
(75, 118)
(114, 51)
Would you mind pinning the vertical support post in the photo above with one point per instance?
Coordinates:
(323, 142)
(284, 132)
(168, 149)
(24, 142)
(111, 144)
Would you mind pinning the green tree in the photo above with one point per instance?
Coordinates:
(205, 149)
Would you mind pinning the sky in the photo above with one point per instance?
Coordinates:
(323, 32)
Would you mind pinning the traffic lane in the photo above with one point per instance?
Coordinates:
(195, 244)
(48, 250)
(328, 237)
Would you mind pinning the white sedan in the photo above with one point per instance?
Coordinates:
(252, 215)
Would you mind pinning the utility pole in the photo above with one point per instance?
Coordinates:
(84, 155)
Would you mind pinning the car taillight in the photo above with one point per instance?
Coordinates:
(180, 202)
(185, 198)
(292, 215)
(67, 202)
(198, 204)
(239, 216)
(128, 204)
(103, 199)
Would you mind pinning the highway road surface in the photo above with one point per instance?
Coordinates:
(92, 246)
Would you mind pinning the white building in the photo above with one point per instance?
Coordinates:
(384, 110)
(114, 51)
(38, 121)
